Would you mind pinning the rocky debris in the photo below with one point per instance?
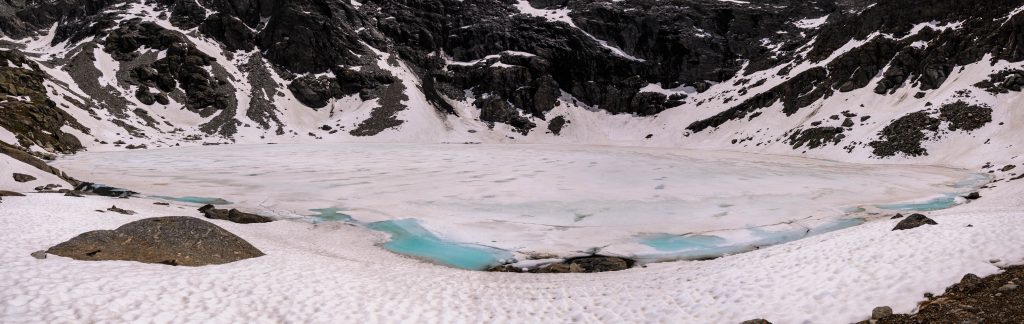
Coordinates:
(104, 190)
(588, 264)
(39, 254)
(233, 215)
(897, 216)
(905, 135)
(913, 221)
(1003, 81)
(816, 137)
(120, 211)
(173, 240)
(160, 203)
(135, 147)
(963, 116)
(973, 300)
(20, 177)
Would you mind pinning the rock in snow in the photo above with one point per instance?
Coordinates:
(233, 215)
(20, 177)
(172, 240)
(914, 221)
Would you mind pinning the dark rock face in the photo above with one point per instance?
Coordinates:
(183, 66)
(26, 110)
(233, 215)
(913, 221)
(19, 177)
(174, 240)
(756, 321)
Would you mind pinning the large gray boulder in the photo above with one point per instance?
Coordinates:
(172, 240)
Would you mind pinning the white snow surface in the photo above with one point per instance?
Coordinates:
(332, 273)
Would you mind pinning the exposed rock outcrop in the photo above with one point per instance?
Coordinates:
(174, 240)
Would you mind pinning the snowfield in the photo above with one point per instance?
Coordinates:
(334, 273)
(539, 199)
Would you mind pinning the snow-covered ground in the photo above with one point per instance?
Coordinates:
(539, 199)
(334, 273)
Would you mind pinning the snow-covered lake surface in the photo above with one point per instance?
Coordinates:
(646, 203)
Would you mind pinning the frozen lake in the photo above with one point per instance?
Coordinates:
(646, 203)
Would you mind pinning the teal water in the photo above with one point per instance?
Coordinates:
(331, 214)
(409, 238)
(697, 247)
(196, 200)
(669, 242)
(937, 203)
(945, 201)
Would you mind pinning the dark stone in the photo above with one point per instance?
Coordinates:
(897, 216)
(39, 255)
(968, 284)
(914, 221)
(556, 124)
(6, 193)
(973, 196)
(120, 211)
(173, 240)
(756, 321)
(233, 215)
(23, 177)
(881, 312)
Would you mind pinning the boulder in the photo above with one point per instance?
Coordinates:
(6, 193)
(20, 177)
(914, 221)
(172, 240)
(233, 215)
(756, 321)
(39, 254)
(881, 312)
(120, 211)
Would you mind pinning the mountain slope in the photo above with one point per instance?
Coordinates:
(844, 79)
